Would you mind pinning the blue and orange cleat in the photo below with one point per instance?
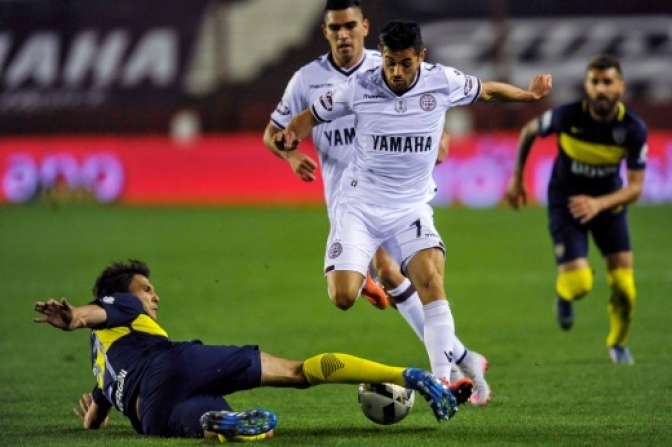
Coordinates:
(442, 397)
(231, 424)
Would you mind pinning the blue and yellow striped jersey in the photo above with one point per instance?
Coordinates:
(122, 349)
(590, 153)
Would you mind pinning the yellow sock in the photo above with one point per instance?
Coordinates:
(621, 304)
(574, 284)
(345, 368)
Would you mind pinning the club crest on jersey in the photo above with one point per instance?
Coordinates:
(618, 134)
(400, 105)
(427, 102)
(282, 108)
(335, 250)
(327, 101)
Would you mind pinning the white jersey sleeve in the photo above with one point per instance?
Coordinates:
(335, 103)
(292, 102)
(463, 89)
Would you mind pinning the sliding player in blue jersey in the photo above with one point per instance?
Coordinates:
(586, 194)
(175, 389)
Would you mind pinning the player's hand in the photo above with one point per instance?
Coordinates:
(541, 85)
(88, 412)
(285, 141)
(515, 193)
(584, 208)
(302, 165)
(57, 314)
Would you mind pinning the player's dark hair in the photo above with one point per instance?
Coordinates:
(604, 62)
(117, 277)
(399, 35)
(337, 5)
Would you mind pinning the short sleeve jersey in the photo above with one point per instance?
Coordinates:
(122, 349)
(332, 140)
(590, 153)
(396, 136)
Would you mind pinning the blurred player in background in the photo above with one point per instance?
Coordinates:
(586, 194)
(175, 389)
(345, 28)
(399, 110)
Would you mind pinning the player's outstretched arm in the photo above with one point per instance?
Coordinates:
(63, 315)
(302, 165)
(540, 87)
(91, 414)
(515, 193)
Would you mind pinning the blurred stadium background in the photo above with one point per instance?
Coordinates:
(91, 92)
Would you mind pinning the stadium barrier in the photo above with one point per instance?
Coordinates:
(236, 169)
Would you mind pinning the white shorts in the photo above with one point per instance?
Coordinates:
(358, 230)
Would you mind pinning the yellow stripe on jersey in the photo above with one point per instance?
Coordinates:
(144, 323)
(590, 153)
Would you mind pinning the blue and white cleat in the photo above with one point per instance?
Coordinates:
(564, 311)
(441, 398)
(621, 354)
(239, 423)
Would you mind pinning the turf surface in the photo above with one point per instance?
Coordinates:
(238, 276)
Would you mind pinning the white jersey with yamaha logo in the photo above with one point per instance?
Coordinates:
(397, 136)
(333, 140)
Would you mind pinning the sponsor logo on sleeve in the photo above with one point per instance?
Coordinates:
(327, 101)
(282, 108)
(468, 84)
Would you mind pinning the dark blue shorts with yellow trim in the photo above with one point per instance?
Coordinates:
(189, 379)
(609, 231)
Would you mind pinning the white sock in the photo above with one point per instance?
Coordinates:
(439, 337)
(459, 350)
(410, 308)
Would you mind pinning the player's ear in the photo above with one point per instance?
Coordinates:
(365, 25)
(422, 54)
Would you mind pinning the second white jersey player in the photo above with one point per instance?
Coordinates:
(333, 140)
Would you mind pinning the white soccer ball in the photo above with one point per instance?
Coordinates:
(385, 403)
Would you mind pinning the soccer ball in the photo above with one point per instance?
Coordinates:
(385, 403)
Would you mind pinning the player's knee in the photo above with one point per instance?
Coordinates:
(343, 297)
(574, 284)
(622, 284)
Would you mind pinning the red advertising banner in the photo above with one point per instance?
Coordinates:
(236, 169)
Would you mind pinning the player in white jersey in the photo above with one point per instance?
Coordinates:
(399, 111)
(345, 28)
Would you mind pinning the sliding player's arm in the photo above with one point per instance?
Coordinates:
(92, 415)
(63, 315)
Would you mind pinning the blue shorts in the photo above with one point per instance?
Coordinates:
(189, 379)
(609, 230)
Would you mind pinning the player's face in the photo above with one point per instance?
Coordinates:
(345, 30)
(401, 67)
(143, 289)
(603, 90)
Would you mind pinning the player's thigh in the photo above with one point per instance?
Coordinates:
(570, 237)
(222, 369)
(611, 233)
(413, 232)
(351, 242)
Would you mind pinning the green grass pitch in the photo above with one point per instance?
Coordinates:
(254, 275)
